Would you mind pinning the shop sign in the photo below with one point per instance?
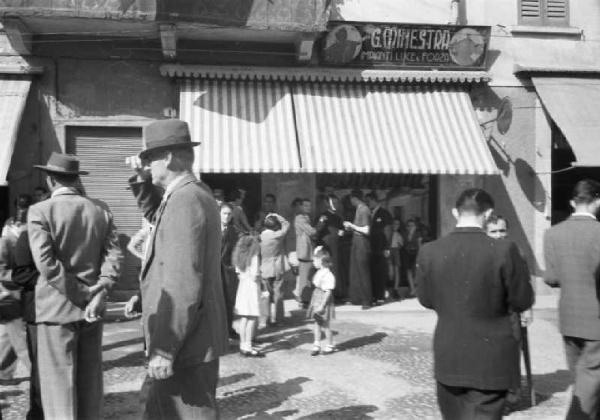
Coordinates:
(406, 45)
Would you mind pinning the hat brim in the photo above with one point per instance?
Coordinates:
(56, 171)
(144, 153)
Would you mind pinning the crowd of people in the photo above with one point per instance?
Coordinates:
(208, 274)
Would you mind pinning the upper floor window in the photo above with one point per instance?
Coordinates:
(544, 12)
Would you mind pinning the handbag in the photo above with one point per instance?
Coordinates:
(10, 308)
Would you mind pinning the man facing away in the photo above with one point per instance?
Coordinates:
(183, 308)
(75, 248)
(572, 254)
(473, 282)
(305, 234)
(380, 236)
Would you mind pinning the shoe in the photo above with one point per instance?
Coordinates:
(315, 350)
(251, 353)
(329, 349)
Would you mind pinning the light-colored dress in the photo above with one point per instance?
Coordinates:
(324, 281)
(248, 293)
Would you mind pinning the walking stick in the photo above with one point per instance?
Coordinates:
(527, 359)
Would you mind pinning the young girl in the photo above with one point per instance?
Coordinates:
(321, 307)
(395, 248)
(245, 259)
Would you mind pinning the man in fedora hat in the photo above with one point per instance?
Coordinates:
(183, 308)
(75, 248)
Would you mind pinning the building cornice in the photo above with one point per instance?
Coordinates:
(521, 69)
(322, 74)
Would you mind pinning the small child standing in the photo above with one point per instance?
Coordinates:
(321, 307)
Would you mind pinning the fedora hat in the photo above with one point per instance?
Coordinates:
(60, 163)
(166, 134)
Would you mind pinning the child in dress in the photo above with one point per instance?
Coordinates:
(246, 260)
(321, 307)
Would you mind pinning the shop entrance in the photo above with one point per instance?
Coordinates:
(250, 182)
(564, 178)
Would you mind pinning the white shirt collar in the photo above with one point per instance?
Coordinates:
(584, 213)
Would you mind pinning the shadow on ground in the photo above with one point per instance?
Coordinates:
(138, 340)
(130, 360)
(547, 385)
(353, 412)
(256, 400)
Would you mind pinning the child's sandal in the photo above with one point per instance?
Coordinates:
(315, 350)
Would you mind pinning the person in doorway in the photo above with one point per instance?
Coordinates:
(496, 227)
(572, 255)
(14, 225)
(274, 263)
(75, 248)
(360, 253)
(380, 236)
(330, 227)
(396, 246)
(246, 259)
(229, 238)
(269, 206)
(40, 194)
(473, 283)
(412, 244)
(240, 220)
(305, 233)
(183, 308)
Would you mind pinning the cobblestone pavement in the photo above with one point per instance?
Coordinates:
(381, 371)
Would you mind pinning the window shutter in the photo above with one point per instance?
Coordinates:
(530, 12)
(557, 13)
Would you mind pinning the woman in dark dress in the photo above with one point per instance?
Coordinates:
(360, 273)
(412, 243)
(329, 229)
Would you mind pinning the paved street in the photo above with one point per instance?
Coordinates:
(382, 371)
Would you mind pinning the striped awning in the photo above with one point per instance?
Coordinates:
(385, 128)
(13, 95)
(244, 126)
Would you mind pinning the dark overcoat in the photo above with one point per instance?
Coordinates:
(183, 308)
(473, 282)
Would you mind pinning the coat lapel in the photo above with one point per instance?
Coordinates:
(158, 217)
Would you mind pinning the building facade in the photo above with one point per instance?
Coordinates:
(287, 100)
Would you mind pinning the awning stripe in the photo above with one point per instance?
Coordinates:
(13, 95)
(244, 126)
(412, 129)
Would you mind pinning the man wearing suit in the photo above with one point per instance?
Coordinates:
(380, 236)
(183, 308)
(473, 282)
(305, 233)
(572, 254)
(75, 249)
(229, 238)
(273, 262)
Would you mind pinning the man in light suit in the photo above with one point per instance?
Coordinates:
(75, 248)
(305, 234)
(183, 308)
(572, 254)
(473, 283)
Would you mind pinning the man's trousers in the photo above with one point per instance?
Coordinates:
(458, 403)
(583, 358)
(70, 369)
(190, 394)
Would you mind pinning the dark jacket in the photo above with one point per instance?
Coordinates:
(473, 282)
(381, 224)
(25, 275)
(229, 239)
(183, 310)
(572, 254)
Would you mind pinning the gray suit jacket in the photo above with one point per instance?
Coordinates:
(183, 306)
(272, 251)
(74, 245)
(572, 254)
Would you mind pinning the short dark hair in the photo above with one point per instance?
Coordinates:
(269, 195)
(296, 202)
(23, 201)
(272, 223)
(235, 195)
(586, 191)
(372, 196)
(495, 218)
(41, 189)
(474, 200)
(65, 179)
(356, 194)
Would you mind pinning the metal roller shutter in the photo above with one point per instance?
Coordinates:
(102, 152)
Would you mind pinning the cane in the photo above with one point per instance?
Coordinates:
(527, 359)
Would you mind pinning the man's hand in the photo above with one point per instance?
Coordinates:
(130, 305)
(142, 171)
(95, 309)
(160, 367)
